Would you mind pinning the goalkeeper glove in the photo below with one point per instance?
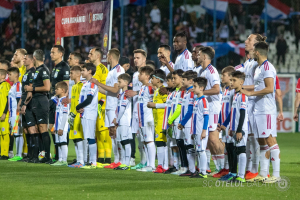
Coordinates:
(100, 104)
(71, 118)
(169, 132)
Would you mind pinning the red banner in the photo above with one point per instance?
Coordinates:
(84, 19)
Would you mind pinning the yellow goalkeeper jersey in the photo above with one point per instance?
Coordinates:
(158, 114)
(22, 72)
(75, 96)
(4, 89)
(100, 75)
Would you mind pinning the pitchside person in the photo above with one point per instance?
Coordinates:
(60, 72)
(214, 97)
(249, 68)
(140, 57)
(184, 59)
(163, 54)
(197, 66)
(265, 111)
(28, 121)
(102, 133)
(40, 105)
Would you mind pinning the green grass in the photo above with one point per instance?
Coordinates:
(40, 181)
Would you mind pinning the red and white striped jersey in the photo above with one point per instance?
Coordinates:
(14, 93)
(185, 102)
(184, 61)
(226, 103)
(167, 111)
(239, 102)
(145, 114)
(201, 108)
(265, 104)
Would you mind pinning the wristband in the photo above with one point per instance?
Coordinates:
(33, 89)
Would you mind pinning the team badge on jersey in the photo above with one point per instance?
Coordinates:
(24, 78)
(35, 75)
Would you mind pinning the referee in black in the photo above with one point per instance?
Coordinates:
(60, 72)
(40, 104)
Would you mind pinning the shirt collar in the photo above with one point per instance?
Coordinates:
(183, 52)
(264, 62)
(115, 67)
(199, 98)
(207, 66)
(187, 89)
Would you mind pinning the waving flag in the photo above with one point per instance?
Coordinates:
(5, 10)
(223, 48)
(241, 1)
(221, 7)
(20, 1)
(118, 3)
(276, 10)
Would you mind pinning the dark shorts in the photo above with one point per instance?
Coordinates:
(28, 119)
(52, 108)
(40, 109)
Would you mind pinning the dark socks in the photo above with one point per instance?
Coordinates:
(233, 160)
(182, 153)
(46, 142)
(56, 146)
(28, 139)
(132, 142)
(35, 145)
(11, 142)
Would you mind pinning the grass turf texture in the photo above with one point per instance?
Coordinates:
(41, 181)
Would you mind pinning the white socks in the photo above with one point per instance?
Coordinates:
(226, 163)
(242, 165)
(85, 150)
(255, 156)
(160, 155)
(176, 160)
(115, 150)
(263, 160)
(79, 151)
(275, 159)
(208, 154)
(19, 145)
(59, 153)
(249, 152)
(166, 159)
(142, 151)
(151, 154)
(93, 153)
(64, 152)
(202, 158)
(127, 155)
(191, 159)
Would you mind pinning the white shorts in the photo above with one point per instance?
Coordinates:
(177, 134)
(171, 142)
(265, 125)
(201, 144)
(147, 133)
(213, 121)
(188, 136)
(109, 118)
(89, 128)
(243, 141)
(61, 139)
(12, 121)
(134, 124)
(123, 133)
(250, 110)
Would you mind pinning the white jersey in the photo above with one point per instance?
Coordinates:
(185, 102)
(136, 86)
(265, 104)
(14, 93)
(239, 102)
(248, 68)
(201, 108)
(197, 69)
(90, 111)
(184, 61)
(213, 78)
(145, 114)
(176, 95)
(72, 82)
(227, 98)
(111, 80)
(165, 68)
(60, 110)
(123, 112)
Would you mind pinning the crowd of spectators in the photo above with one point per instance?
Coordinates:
(144, 27)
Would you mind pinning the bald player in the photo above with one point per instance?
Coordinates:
(104, 144)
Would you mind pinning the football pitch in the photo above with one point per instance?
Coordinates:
(41, 181)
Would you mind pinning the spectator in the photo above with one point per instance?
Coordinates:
(297, 33)
(155, 15)
(281, 47)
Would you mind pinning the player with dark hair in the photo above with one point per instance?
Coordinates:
(164, 53)
(197, 66)
(184, 59)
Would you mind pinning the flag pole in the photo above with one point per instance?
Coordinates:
(22, 25)
(214, 25)
(266, 18)
(171, 23)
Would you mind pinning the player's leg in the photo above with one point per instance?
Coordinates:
(162, 149)
(132, 143)
(25, 147)
(208, 157)
(142, 150)
(201, 145)
(182, 150)
(189, 146)
(100, 147)
(274, 151)
(89, 129)
(5, 139)
(226, 159)
(27, 118)
(222, 159)
(231, 153)
(52, 108)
